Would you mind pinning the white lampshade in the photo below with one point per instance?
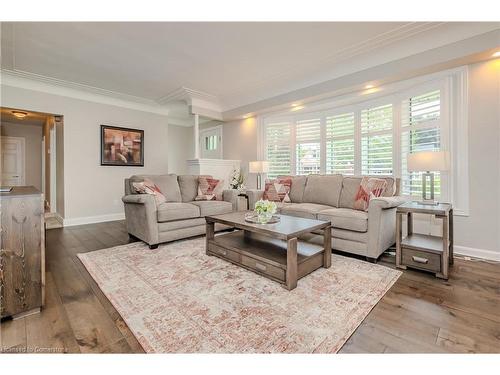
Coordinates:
(431, 161)
(258, 167)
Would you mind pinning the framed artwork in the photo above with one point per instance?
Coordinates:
(122, 146)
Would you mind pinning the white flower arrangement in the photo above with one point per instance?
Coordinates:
(237, 180)
(265, 207)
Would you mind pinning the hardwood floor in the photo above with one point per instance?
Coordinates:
(419, 314)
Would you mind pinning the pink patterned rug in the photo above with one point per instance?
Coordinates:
(176, 299)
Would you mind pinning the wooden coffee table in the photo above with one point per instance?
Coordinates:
(271, 250)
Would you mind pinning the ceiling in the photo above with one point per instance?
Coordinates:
(236, 63)
(33, 118)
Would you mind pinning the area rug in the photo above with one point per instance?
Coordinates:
(176, 299)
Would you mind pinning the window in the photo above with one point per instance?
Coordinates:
(360, 141)
(211, 143)
(340, 144)
(307, 146)
(278, 146)
(376, 140)
(374, 134)
(420, 131)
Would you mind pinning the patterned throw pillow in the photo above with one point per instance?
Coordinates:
(209, 189)
(149, 187)
(278, 190)
(369, 188)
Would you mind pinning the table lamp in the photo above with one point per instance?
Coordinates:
(428, 162)
(258, 167)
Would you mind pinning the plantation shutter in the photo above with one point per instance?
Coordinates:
(307, 146)
(278, 141)
(340, 144)
(376, 140)
(420, 131)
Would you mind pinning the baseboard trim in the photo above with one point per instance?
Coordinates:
(477, 253)
(92, 219)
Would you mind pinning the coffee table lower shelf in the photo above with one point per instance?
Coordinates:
(265, 255)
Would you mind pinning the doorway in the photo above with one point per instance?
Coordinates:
(13, 161)
(32, 155)
(211, 142)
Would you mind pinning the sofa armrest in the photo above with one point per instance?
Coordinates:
(386, 202)
(382, 224)
(141, 217)
(231, 195)
(139, 199)
(254, 196)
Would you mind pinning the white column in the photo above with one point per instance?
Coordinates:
(196, 137)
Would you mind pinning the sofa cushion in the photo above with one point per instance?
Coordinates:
(306, 210)
(188, 185)
(167, 183)
(278, 190)
(213, 207)
(297, 187)
(177, 211)
(350, 187)
(323, 189)
(345, 218)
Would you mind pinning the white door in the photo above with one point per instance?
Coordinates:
(12, 161)
(211, 143)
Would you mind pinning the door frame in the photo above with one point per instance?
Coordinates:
(53, 169)
(23, 146)
(200, 137)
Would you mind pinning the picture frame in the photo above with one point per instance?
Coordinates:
(122, 147)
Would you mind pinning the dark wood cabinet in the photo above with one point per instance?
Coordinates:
(22, 252)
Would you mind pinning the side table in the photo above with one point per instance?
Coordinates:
(422, 251)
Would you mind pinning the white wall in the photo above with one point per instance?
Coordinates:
(480, 230)
(180, 148)
(33, 149)
(240, 143)
(91, 191)
(477, 234)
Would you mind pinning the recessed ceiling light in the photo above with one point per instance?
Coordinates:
(297, 108)
(20, 114)
(496, 54)
(295, 105)
(369, 87)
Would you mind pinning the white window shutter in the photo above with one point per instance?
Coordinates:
(278, 147)
(420, 131)
(340, 143)
(308, 145)
(376, 140)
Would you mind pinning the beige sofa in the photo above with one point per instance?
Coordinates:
(180, 217)
(331, 197)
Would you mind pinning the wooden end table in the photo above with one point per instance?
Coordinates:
(423, 251)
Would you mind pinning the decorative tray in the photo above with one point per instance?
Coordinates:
(254, 218)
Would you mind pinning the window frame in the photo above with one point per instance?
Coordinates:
(453, 87)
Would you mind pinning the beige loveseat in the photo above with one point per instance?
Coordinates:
(331, 197)
(180, 217)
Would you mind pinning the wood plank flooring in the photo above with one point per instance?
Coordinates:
(419, 314)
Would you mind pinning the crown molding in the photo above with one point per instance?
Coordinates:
(37, 82)
(187, 94)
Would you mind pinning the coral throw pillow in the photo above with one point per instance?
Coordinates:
(209, 189)
(149, 187)
(278, 190)
(369, 188)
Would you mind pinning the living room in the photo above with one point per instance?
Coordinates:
(196, 181)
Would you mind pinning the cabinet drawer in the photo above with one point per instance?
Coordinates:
(264, 268)
(225, 253)
(421, 259)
